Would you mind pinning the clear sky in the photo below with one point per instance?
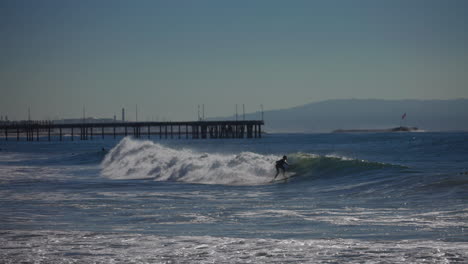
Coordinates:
(169, 56)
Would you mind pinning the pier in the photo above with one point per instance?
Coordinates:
(46, 130)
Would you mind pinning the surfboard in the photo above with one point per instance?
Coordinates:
(287, 176)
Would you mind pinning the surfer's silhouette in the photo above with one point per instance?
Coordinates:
(280, 165)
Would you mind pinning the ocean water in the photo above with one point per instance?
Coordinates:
(354, 198)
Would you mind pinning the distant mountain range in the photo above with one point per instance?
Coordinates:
(353, 114)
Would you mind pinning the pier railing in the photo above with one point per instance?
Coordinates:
(46, 130)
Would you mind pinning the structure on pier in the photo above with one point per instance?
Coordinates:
(36, 130)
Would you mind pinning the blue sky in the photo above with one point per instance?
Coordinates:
(169, 56)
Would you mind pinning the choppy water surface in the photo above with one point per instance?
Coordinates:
(353, 197)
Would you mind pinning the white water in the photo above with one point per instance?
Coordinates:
(133, 159)
(74, 247)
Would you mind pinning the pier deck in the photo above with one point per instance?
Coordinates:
(45, 130)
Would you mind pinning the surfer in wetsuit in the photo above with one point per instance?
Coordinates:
(280, 165)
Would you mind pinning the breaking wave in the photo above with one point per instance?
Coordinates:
(133, 159)
(136, 159)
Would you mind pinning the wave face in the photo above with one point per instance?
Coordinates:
(316, 166)
(135, 159)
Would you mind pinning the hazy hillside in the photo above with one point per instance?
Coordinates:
(431, 115)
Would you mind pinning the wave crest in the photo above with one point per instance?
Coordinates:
(134, 159)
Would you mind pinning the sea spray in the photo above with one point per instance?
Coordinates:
(135, 159)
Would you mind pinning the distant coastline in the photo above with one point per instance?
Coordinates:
(396, 129)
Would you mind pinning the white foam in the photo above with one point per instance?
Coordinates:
(87, 247)
(135, 159)
(365, 217)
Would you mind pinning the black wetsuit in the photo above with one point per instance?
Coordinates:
(280, 165)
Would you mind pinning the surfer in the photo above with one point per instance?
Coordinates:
(281, 165)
